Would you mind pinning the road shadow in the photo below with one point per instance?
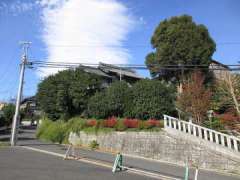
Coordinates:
(4, 139)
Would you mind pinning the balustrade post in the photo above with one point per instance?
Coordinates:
(174, 124)
(194, 130)
(235, 144)
(211, 136)
(184, 127)
(205, 134)
(179, 126)
(229, 142)
(165, 121)
(216, 138)
(200, 132)
(189, 128)
(222, 140)
(170, 122)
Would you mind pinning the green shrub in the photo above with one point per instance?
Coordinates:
(141, 125)
(52, 131)
(161, 124)
(8, 113)
(76, 124)
(2, 121)
(117, 96)
(215, 124)
(120, 126)
(55, 132)
(98, 106)
(94, 145)
(110, 102)
(150, 99)
(42, 127)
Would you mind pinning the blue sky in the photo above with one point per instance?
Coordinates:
(113, 31)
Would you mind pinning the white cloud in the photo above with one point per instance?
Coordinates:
(15, 7)
(89, 30)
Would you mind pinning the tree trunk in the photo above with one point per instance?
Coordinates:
(231, 89)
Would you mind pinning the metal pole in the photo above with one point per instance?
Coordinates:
(16, 115)
(186, 172)
(196, 174)
(120, 74)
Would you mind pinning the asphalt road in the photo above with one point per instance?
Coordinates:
(30, 164)
(21, 164)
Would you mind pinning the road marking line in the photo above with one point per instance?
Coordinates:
(103, 164)
(43, 151)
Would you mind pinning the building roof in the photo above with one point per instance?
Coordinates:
(118, 70)
(219, 64)
(107, 70)
(28, 99)
(94, 70)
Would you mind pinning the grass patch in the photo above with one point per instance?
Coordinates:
(4, 144)
(94, 145)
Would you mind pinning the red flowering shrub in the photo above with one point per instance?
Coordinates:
(92, 122)
(228, 118)
(110, 122)
(152, 123)
(131, 123)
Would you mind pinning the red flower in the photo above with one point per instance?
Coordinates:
(110, 122)
(131, 123)
(92, 122)
(228, 118)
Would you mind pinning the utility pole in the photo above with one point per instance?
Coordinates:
(120, 74)
(19, 94)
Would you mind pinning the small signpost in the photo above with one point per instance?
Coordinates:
(196, 174)
(70, 153)
(118, 163)
(186, 172)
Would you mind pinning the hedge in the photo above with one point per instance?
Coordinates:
(150, 99)
(58, 131)
(145, 99)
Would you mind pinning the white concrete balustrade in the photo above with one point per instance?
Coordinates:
(203, 133)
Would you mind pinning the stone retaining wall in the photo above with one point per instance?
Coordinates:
(159, 146)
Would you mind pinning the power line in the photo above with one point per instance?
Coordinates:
(96, 64)
(120, 46)
(44, 64)
(61, 66)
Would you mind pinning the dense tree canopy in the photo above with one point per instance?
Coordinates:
(145, 99)
(67, 93)
(111, 102)
(8, 113)
(177, 42)
(151, 99)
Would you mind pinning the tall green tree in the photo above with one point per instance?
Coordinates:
(66, 93)
(179, 41)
